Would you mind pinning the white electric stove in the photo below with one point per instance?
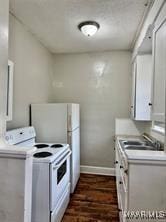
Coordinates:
(51, 175)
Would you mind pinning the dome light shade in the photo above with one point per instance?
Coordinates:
(89, 28)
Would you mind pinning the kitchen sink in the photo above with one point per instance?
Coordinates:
(137, 145)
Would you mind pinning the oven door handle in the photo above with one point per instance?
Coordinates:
(59, 163)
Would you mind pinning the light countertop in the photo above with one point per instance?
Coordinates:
(15, 151)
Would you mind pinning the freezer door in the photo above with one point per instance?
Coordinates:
(73, 116)
(50, 122)
(74, 141)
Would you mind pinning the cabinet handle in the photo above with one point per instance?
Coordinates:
(121, 167)
(116, 162)
(150, 104)
(126, 171)
(119, 210)
(132, 106)
(120, 182)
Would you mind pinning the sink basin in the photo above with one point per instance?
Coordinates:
(139, 147)
(131, 142)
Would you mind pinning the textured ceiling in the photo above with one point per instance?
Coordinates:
(54, 22)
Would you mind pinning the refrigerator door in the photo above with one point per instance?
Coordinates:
(74, 141)
(50, 122)
(73, 116)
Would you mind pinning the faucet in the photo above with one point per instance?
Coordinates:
(155, 143)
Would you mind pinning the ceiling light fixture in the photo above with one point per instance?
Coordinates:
(89, 28)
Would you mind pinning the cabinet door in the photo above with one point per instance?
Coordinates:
(159, 72)
(117, 169)
(143, 87)
(133, 105)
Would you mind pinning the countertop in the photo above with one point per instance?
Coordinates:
(15, 151)
(141, 155)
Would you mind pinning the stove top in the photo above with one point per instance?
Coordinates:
(48, 153)
(44, 152)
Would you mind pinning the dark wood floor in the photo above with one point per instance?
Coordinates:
(94, 200)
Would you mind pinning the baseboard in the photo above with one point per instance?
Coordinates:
(98, 170)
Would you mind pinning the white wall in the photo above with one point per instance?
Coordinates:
(101, 83)
(130, 127)
(32, 72)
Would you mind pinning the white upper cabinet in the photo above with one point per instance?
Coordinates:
(141, 88)
(159, 72)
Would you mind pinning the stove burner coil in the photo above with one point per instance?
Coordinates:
(42, 154)
(56, 146)
(39, 146)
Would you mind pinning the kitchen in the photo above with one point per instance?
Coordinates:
(117, 78)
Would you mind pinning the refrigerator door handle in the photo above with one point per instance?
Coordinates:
(69, 123)
(69, 139)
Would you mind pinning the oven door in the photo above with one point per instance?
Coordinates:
(59, 179)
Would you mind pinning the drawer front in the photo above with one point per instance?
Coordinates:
(124, 178)
(121, 217)
(123, 201)
(57, 214)
(123, 195)
(122, 157)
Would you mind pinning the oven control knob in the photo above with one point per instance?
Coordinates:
(7, 138)
(11, 137)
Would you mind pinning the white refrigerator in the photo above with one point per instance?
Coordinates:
(59, 123)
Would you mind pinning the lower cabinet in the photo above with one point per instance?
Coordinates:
(141, 189)
(121, 182)
(15, 185)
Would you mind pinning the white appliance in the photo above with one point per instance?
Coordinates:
(51, 175)
(59, 122)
